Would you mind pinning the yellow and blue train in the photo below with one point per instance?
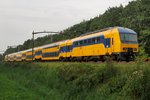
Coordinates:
(117, 42)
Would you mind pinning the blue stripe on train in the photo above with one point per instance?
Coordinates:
(105, 41)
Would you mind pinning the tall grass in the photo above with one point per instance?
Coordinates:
(74, 81)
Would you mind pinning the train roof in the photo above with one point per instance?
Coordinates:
(97, 31)
(94, 34)
(123, 30)
(105, 31)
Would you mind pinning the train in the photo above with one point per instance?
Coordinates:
(118, 43)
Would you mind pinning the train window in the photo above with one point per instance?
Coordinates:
(64, 48)
(38, 52)
(50, 54)
(89, 41)
(93, 40)
(108, 42)
(70, 47)
(67, 47)
(81, 42)
(76, 43)
(85, 41)
(98, 39)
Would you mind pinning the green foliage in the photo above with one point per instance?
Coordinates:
(74, 81)
(1, 57)
(134, 86)
(146, 40)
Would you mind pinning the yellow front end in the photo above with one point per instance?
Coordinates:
(125, 43)
(125, 47)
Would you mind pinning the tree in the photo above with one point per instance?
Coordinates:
(1, 57)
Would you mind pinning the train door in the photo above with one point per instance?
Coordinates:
(108, 48)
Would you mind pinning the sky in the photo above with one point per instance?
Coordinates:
(18, 18)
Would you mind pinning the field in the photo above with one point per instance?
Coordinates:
(75, 81)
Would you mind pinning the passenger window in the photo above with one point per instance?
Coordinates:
(93, 40)
(85, 41)
(98, 39)
(81, 42)
(78, 43)
(89, 41)
(71, 47)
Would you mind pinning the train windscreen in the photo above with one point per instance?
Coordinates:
(128, 35)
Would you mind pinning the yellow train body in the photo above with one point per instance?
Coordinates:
(117, 42)
(50, 52)
(19, 56)
(28, 55)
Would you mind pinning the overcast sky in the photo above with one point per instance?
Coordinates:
(18, 18)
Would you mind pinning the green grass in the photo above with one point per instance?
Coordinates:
(74, 81)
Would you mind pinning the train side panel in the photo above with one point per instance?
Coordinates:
(50, 53)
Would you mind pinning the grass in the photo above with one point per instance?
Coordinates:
(74, 81)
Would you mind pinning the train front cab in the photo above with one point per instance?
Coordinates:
(124, 44)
